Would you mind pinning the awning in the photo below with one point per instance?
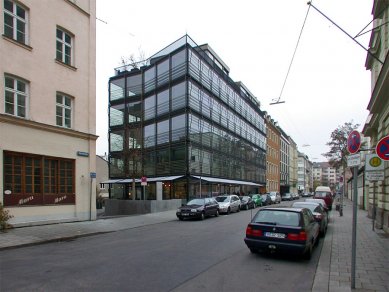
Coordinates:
(137, 180)
(227, 181)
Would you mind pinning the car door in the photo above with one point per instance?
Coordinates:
(312, 225)
(209, 207)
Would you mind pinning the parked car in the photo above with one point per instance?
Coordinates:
(283, 230)
(305, 195)
(257, 200)
(266, 200)
(323, 192)
(246, 203)
(286, 197)
(198, 208)
(318, 211)
(275, 197)
(295, 196)
(228, 203)
(320, 201)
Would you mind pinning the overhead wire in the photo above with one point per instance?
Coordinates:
(294, 53)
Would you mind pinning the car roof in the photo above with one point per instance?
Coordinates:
(288, 209)
(307, 203)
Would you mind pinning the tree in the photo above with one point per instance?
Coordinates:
(338, 145)
(133, 62)
(338, 152)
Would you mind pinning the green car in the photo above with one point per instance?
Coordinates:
(257, 200)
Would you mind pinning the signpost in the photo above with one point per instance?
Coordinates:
(353, 146)
(374, 171)
(382, 148)
(143, 182)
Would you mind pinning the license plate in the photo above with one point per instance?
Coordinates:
(275, 235)
(185, 214)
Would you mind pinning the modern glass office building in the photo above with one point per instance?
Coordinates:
(183, 123)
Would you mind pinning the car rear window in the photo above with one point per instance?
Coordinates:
(277, 217)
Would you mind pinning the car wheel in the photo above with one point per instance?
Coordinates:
(253, 250)
(180, 218)
(308, 253)
(238, 209)
(247, 207)
(217, 213)
(228, 211)
(202, 216)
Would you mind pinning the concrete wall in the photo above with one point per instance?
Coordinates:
(115, 207)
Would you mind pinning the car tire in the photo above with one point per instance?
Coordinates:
(247, 207)
(238, 210)
(217, 213)
(180, 218)
(228, 211)
(202, 216)
(254, 250)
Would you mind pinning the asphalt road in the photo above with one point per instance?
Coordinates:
(207, 255)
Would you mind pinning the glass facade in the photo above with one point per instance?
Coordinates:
(182, 115)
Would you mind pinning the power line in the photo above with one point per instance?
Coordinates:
(277, 101)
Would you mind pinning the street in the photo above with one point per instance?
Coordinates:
(207, 255)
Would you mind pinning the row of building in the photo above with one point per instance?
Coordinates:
(179, 126)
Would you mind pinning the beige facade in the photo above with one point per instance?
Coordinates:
(377, 124)
(48, 110)
(293, 158)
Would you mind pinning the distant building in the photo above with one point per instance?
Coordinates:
(284, 163)
(304, 173)
(377, 123)
(184, 125)
(293, 166)
(325, 175)
(48, 110)
(273, 155)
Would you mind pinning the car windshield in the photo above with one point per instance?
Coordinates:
(277, 217)
(196, 202)
(321, 194)
(222, 199)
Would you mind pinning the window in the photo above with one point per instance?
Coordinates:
(16, 96)
(38, 180)
(15, 21)
(64, 111)
(64, 47)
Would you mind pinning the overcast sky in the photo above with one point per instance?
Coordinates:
(328, 83)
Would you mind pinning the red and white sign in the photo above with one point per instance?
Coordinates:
(382, 148)
(353, 142)
(143, 181)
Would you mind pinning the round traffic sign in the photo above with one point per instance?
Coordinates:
(382, 148)
(354, 142)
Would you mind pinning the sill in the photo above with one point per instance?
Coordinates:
(15, 42)
(65, 65)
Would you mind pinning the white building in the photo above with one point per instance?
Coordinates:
(48, 110)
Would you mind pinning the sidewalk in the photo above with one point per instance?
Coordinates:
(25, 236)
(372, 254)
(333, 271)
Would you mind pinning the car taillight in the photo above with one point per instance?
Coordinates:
(253, 232)
(302, 236)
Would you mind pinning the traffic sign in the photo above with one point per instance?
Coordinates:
(353, 142)
(373, 163)
(382, 148)
(353, 160)
(143, 181)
